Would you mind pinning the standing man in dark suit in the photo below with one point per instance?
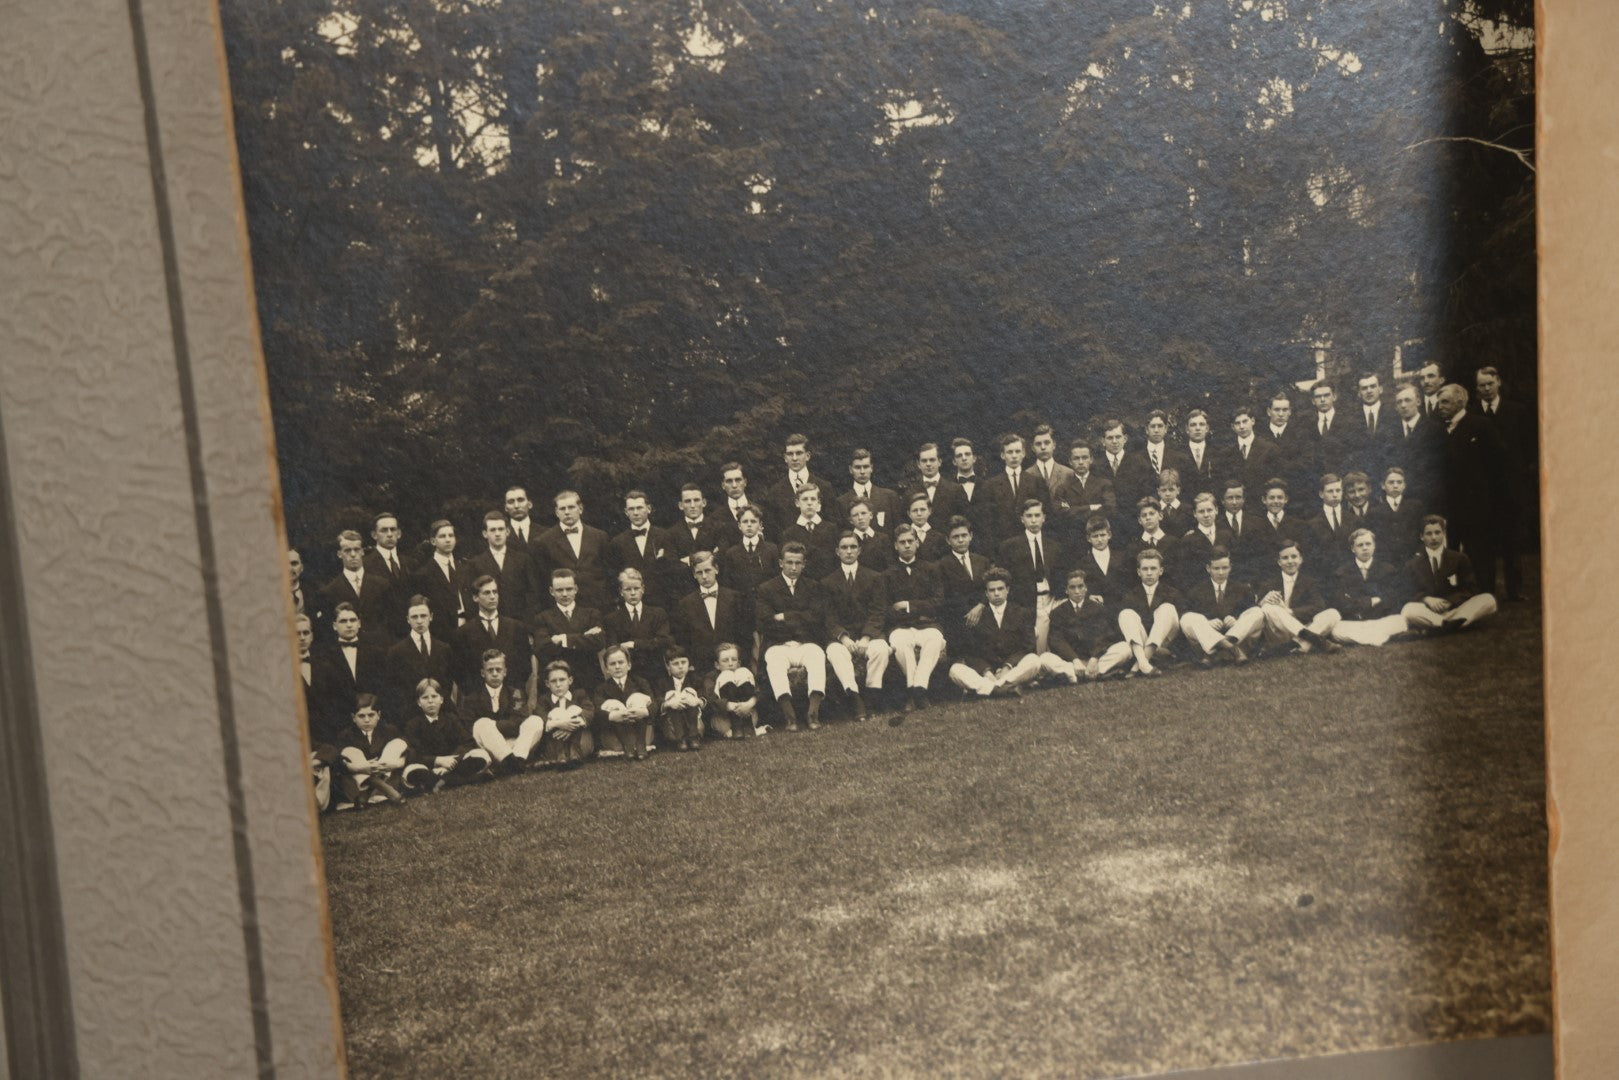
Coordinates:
(303, 601)
(961, 575)
(1158, 454)
(712, 615)
(487, 628)
(1292, 443)
(420, 654)
(1373, 425)
(1199, 461)
(884, 502)
(734, 482)
(695, 531)
(1131, 477)
(1475, 483)
(1514, 424)
(1331, 528)
(971, 482)
(508, 566)
(945, 497)
(819, 536)
(1397, 517)
(1329, 433)
(346, 668)
(1007, 492)
(368, 593)
(642, 547)
(441, 578)
(1034, 560)
(1084, 493)
(520, 523)
(1430, 380)
(783, 497)
(572, 545)
(1415, 444)
(388, 564)
(1248, 456)
(1053, 472)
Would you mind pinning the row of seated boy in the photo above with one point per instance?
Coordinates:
(1002, 631)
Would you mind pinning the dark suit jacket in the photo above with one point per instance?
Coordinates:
(1172, 459)
(918, 586)
(406, 667)
(1204, 477)
(1418, 454)
(1331, 546)
(885, 507)
(933, 548)
(333, 687)
(1476, 481)
(660, 567)
(510, 710)
(374, 603)
(1074, 500)
(352, 738)
(1399, 532)
(633, 684)
(804, 607)
(1330, 452)
(959, 592)
(781, 503)
(989, 646)
(1175, 520)
(443, 593)
(1454, 582)
(1262, 464)
(399, 588)
(948, 500)
(743, 571)
(1003, 507)
(1110, 586)
(428, 739)
(1295, 457)
(651, 637)
(1199, 597)
(512, 637)
(553, 552)
(733, 622)
(714, 534)
(1132, 480)
(1016, 556)
(1380, 593)
(1167, 547)
(820, 546)
(581, 647)
(1308, 600)
(877, 551)
(1083, 634)
(515, 540)
(854, 609)
(516, 580)
(1193, 549)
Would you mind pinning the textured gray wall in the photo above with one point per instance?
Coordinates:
(190, 880)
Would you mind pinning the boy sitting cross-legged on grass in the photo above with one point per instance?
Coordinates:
(442, 751)
(733, 695)
(567, 718)
(372, 755)
(1218, 614)
(998, 656)
(1084, 634)
(680, 706)
(504, 729)
(624, 708)
(1149, 613)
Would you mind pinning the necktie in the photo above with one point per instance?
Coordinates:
(809, 526)
(1371, 421)
(1435, 561)
(1156, 462)
(1015, 475)
(1113, 460)
(421, 645)
(849, 576)
(1219, 593)
(1323, 424)
(1332, 518)
(393, 565)
(489, 627)
(1039, 560)
(1275, 520)
(967, 564)
(1365, 572)
(1244, 447)
(635, 615)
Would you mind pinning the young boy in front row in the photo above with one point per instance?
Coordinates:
(624, 708)
(1149, 613)
(568, 715)
(1084, 633)
(504, 729)
(680, 706)
(1218, 614)
(441, 751)
(733, 695)
(373, 754)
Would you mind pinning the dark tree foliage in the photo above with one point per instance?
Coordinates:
(597, 244)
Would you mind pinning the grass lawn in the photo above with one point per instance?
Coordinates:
(1303, 856)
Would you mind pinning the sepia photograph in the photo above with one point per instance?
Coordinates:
(960, 539)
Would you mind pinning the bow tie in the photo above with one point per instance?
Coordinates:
(931, 482)
(350, 645)
(710, 593)
(571, 532)
(965, 478)
(640, 532)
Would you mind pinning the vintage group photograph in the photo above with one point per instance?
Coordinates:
(964, 539)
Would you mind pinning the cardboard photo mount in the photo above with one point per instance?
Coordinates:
(161, 896)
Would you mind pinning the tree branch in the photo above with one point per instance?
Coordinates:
(1521, 155)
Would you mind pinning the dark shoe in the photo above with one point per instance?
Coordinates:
(1237, 655)
(785, 703)
(382, 787)
(858, 704)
